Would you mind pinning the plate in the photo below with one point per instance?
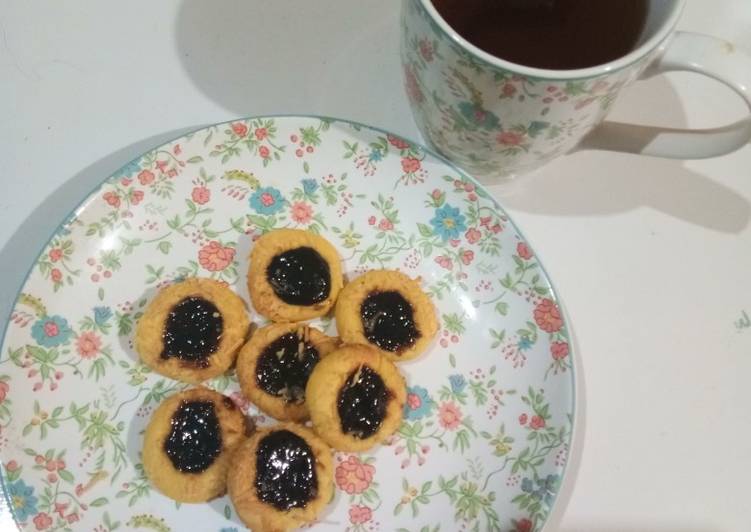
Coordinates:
(490, 408)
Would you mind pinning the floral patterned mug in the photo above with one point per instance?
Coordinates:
(497, 119)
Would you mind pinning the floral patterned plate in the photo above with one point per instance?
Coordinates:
(489, 413)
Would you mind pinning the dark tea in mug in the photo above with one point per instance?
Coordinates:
(550, 34)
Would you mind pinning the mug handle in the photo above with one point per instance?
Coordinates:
(691, 52)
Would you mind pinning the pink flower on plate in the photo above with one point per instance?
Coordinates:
(523, 419)
(136, 196)
(472, 235)
(4, 387)
(522, 249)
(359, 514)
(239, 129)
(414, 401)
(55, 254)
(449, 416)
(51, 329)
(510, 138)
(112, 199)
(72, 518)
(201, 195)
(261, 133)
(264, 152)
(301, 213)
(548, 316)
(467, 256)
(523, 525)
(353, 475)
(267, 199)
(88, 344)
(559, 350)
(385, 225)
(240, 401)
(56, 275)
(396, 142)
(146, 177)
(410, 165)
(215, 257)
(372, 220)
(42, 521)
(537, 423)
(12, 465)
(444, 262)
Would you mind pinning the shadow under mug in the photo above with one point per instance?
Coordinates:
(497, 119)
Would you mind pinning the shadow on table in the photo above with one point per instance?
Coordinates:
(23, 247)
(305, 65)
(601, 183)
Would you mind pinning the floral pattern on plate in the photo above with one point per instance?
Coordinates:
(488, 418)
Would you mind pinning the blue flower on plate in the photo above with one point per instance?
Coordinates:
(375, 155)
(418, 404)
(309, 186)
(266, 200)
(524, 343)
(458, 383)
(51, 331)
(542, 489)
(448, 222)
(102, 315)
(548, 487)
(22, 499)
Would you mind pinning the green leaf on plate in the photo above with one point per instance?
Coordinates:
(101, 501)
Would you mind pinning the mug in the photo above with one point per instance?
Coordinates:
(498, 119)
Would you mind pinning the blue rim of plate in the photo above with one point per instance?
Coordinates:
(74, 212)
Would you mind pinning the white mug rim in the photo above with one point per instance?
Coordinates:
(598, 70)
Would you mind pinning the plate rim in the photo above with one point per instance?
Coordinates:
(92, 194)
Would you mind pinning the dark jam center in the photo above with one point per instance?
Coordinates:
(362, 403)
(285, 471)
(284, 367)
(195, 439)
(192, 331)
(300, 276)
(388, 320)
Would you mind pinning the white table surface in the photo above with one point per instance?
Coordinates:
(652, 258)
